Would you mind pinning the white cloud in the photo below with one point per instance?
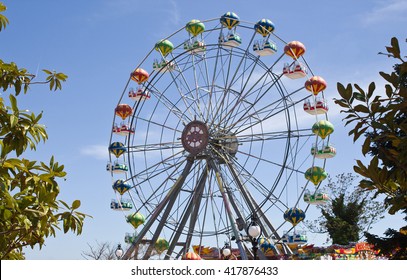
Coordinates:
(174, 13)
(96, 151)
(394, 10)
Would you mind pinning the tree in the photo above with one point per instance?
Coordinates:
(102, 251)
(349, 212)
(30, 209)
(382, 120)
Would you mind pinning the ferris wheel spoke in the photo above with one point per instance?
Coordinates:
(188, 214)
(160, 125)
(234, 104)
(224, 79)
(255, 86)
(208, 88)
(180, 81)
(173, 196)
(229, 211)
(149, 174)
(268, 115)
(155, 147)
(166, 203)
(265, 223)
(273, 203)
(268, 109)
(223, 76)
(281, 165)
(150, 201)
(230, 196)
(270, 191)
(274, 135)
(242, 110)
(268, 80)
(196, 73)
(212, 84)
(169, 105)
(230, 80)
(267, 192)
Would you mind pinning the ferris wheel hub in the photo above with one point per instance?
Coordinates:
(195, 137)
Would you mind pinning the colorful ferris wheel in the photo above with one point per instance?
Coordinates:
(223, 124)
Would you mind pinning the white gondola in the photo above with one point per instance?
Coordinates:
(231, 41)
(295, 71)
(123, 129)
(140, 94)
(320, 107)
(122, 205)
(295, 238)
(117, 167)
(195, 47)
(323, 152)
(129, 237)
(264, 48)
(163, 65)
(318, 198)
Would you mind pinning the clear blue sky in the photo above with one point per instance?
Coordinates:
(98, 43)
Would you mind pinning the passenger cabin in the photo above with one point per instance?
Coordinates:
(321, 107)
(139, 94)
(323, 152)
(231, 41)
(163, 65)
(264, 48)
(117, 167)
(195, 47)
(123, 129)
(295, 71)
(129, 237)
(123, 205)
(294, 238)
(318, 198)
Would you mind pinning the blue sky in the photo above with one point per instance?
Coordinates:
(98, 43)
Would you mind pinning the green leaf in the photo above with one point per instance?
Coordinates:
(360, 89)
(346, 93)
(359, 96)
(13, 102)
(64, 204)
(361, 108)
(3, 22)
(341, 102)
(47, 71)
(371, 89)
(386, 76)
(51, 84)
(359, 133)
(13, 121)
(389, 90)
(76, 204)
(395, 47)
(2, 7)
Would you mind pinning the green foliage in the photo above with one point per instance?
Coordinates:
(349, 212)
(21, 79)
(393, 245)
(54, 79)
(382, 120)
(3, 19)
(30, 210)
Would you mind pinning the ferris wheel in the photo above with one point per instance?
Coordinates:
(221, 127)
